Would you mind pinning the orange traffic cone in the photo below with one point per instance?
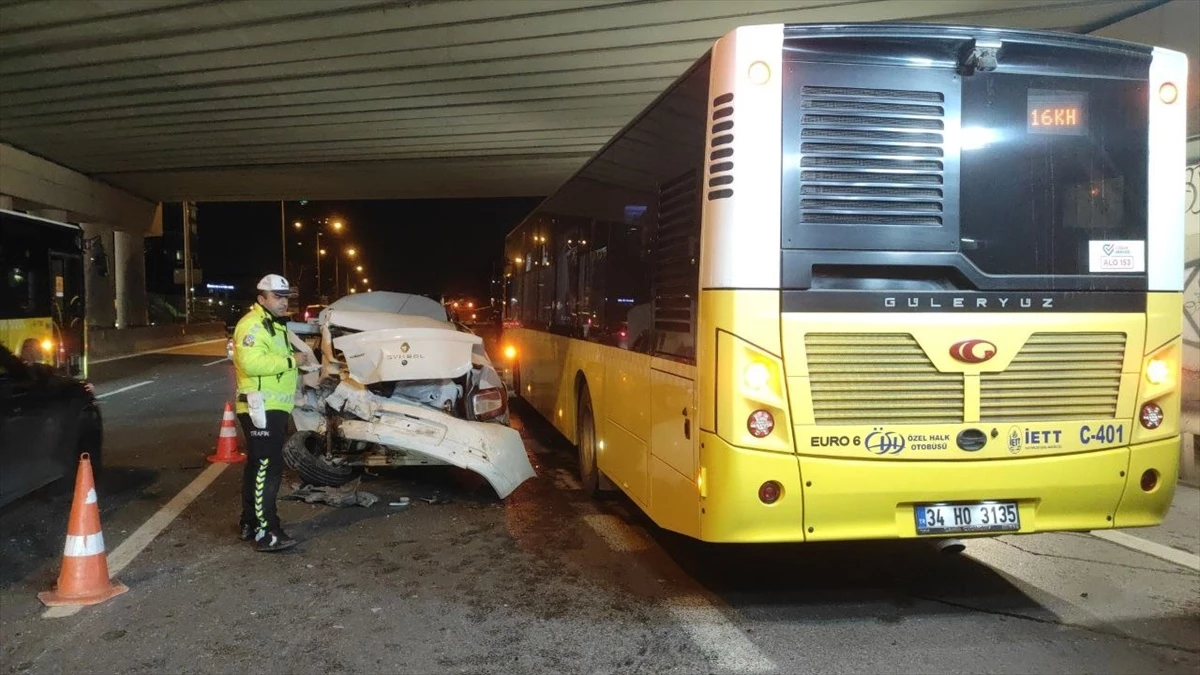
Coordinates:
(84, 576)
(227, 443)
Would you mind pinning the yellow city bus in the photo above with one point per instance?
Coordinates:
(42, 297)
(872, 281)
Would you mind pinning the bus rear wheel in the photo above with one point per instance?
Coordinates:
(585, 433)
(516, 380)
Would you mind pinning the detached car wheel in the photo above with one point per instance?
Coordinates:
(304, 452)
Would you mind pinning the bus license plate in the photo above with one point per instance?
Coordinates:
(982, 517)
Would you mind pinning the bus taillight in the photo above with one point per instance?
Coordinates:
(1158, 371)
(757, 376)
(770, 492)
(760, 424)
(1152, 416)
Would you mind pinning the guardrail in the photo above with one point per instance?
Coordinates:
(107, 343)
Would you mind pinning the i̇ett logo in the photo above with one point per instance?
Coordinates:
(972, 351)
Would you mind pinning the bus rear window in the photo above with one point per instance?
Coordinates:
(1053, 169)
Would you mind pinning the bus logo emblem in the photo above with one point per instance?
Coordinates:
(972, 351)
(1014, 440)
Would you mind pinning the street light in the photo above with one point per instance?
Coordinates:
(358, 269)
(336, 226)
(298, 224)
(337, 260)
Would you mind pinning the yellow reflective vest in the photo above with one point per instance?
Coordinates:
(263, 360)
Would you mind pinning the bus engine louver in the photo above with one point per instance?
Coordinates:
(871, 156)
(720, 158)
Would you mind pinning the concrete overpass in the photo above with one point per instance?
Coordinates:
(109, 108)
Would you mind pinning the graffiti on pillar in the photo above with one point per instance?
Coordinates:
(1191, 287)
(94, 247)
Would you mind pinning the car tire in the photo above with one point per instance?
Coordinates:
(90, 438)
(303, 452)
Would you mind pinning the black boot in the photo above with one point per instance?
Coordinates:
(275, 541)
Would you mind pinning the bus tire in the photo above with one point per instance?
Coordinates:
(302, 451)
(516, 380)
(585, 434)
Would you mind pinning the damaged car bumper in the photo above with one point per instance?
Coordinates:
(493, 451)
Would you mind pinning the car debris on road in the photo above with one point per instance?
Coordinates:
(343, 495)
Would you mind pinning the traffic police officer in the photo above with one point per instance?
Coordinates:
(266, 388)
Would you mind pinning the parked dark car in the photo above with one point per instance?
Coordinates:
(46, 421)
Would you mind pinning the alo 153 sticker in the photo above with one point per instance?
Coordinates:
(1116, 256)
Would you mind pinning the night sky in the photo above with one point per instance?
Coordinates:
(431, 247)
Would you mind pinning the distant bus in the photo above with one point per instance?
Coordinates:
(872, 281)
(42, 298)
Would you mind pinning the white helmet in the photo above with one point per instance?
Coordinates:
(276, 284)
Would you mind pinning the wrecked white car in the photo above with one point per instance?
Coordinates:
(400, 385)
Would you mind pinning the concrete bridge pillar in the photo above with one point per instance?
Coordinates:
(99, 278)
(130, 272)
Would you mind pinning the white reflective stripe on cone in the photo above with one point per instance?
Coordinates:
(80, 547)
(228, 416)
(91, 497)
(227, 432)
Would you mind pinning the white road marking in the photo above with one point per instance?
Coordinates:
(717, 637)
(141, 537)
(707, 626)
(124, 389)
(215, 362)
(616, 534)
(156, 351)
(1171, 555)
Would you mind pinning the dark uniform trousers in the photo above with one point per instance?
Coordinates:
(263, 470)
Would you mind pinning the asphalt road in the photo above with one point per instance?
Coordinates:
(546, 581)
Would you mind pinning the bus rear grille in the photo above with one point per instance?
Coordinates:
(1043, 384)
(875, 378)
(874, 156)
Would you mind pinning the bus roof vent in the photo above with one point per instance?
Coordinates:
(720, 158)
(871, 156)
